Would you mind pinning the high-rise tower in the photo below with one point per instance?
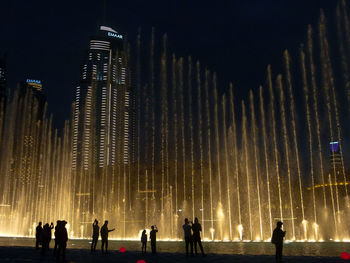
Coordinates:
(101, 110)
(3, 95)
(3, 80)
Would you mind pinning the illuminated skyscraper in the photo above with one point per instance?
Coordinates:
(335, 156)
(101, 108)
(3, 80)
(3, 95)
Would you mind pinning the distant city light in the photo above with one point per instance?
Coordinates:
(33, 81)
(334, 146)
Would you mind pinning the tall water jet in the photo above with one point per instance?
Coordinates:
(263, 127)
(235, 154)
(200, 126)
(255, 143)
(228, 183)
(138, 92)
(286, 148)
(164, 120)
(294, 129)
(218, 158)
(153, 109)
(174, 114)
(315, 109)
(207, 106)
(216, 125)
(182, 120)
(308, 118)
(246, 160)
(273, 118)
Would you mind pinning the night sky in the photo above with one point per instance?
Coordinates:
(46, 40)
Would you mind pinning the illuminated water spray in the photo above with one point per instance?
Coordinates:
(308, 118)
(246, 161)
(255, 143)
(286, 147)
(315, 109)
(200, 138)
(263, 127)
(174, 115)
(272, 112)
(294, 129)
(206, 84)
(235, 154)
(228, 183)
(218, 157)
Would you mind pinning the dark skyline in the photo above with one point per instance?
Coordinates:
(47, 40)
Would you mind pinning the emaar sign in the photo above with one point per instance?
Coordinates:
(111, 34)
(33, 81)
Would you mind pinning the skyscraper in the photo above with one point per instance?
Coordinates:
(102, 103)
(101, 118)
(3, 79)
(335, 156)
(3, 94)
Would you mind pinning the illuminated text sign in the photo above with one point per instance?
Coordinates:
(33, 81)
(110, 34)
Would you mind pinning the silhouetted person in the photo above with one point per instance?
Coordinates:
(153, 237)
(95, 234)
(104, 235)
(38, 232)
(62, 238)
(45, 238)
(277, 239)
(188, 236)
(197, 228)
(144, 241)
(58, 224)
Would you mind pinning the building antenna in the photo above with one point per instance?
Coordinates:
(104, 12)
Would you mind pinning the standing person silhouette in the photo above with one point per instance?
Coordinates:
(144, 240)
(58, 224)
(95, 234)
(153, 237)
(38, 232)
(104, 236)
(62, 238)
(188, 236)
(277, 239)
(197, 228)
(45, 238)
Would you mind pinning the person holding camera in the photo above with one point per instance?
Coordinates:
(197, 228)
(277, 239)
(153, 237)
(188, 236)
(95, 234)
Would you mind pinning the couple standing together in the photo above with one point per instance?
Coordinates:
(192, 235)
